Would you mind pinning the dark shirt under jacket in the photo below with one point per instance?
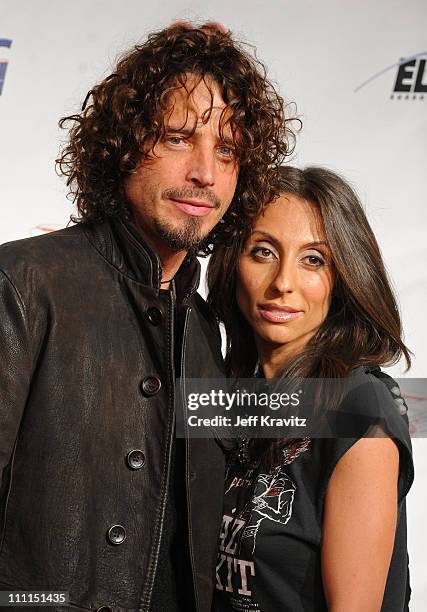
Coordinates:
(173, 586)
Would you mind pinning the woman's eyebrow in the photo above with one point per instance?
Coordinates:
(265, 234)
(271, 238)
(315, 243)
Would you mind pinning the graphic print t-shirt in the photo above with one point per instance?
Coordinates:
(270, 539)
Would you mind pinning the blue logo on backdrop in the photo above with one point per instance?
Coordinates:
(410, 78)
(4, 42)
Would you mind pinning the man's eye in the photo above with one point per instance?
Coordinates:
(226, 151)
(175, 140)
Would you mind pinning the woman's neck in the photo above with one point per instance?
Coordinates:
(274, 359)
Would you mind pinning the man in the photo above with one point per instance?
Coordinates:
(98, 320)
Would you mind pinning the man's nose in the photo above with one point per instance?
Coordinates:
(201, 167)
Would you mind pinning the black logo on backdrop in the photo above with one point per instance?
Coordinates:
(410, 78)
(4, 42)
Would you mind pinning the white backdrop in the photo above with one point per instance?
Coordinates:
(338, 60)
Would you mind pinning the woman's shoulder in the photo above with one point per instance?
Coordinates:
(372, 408)
(370, 397)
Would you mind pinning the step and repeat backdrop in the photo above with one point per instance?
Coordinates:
(357, 72)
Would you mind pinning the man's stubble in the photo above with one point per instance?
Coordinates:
(183, 238)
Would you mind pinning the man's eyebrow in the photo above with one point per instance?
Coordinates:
(191, 131)
(186, 131)
(228, 141)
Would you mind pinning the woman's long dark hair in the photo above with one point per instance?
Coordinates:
(363, 324)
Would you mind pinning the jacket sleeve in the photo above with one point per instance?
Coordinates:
(15, 367)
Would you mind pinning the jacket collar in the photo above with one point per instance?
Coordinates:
(122, 245)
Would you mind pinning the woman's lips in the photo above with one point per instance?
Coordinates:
(277, 315)
(193, 207)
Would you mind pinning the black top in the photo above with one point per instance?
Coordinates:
(173, 589)
(270, 541)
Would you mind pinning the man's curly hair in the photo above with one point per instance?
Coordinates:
(123, 117)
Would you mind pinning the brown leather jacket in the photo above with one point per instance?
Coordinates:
(87, 393)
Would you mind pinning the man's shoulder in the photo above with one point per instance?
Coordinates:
(50, 258)
(41, 244)
(54, 249)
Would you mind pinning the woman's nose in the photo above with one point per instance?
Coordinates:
(284, 280)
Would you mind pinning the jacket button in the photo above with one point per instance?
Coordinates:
(135, 459)
(116, 534)
(154, 315)
(105, 609)
(151, 385)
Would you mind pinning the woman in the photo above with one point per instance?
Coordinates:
(314, 523)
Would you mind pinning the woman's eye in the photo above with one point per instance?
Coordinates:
(262, 253)
(314, 261)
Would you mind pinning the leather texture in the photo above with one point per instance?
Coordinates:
(87, 375)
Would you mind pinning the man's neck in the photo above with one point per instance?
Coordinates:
(170, 264)
(170, 261)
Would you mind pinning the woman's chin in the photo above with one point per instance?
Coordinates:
(276, 339)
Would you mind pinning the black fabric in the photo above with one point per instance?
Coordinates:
(270, 542)
(173, 589)
(173, 584)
